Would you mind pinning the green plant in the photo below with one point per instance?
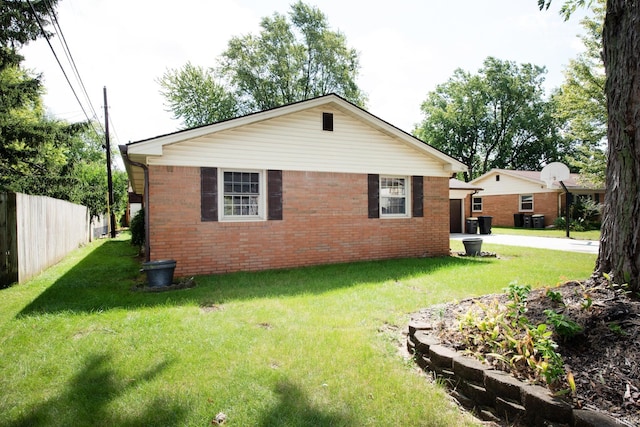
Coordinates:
(562, 325)
(549, 364)
(554, 296)
(138, 229)
(616, 329)
(506, 336)
(517, 304)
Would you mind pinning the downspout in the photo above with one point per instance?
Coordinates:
(145, 169)
(471, 203)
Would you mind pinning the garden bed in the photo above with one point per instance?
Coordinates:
(603, 357)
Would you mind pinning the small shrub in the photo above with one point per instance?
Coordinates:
(564, 327)
(137, 229)
(554, 296)
(505, 335)
(517, 305)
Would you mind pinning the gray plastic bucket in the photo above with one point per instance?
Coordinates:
(159, 273)
(472, 247)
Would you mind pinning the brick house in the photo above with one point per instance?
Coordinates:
(460, 194)
(314, 182)
(507, 193)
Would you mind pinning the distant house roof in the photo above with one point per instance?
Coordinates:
(456, 184)
(534, 176)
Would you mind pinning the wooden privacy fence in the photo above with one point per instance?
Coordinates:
(37, 232)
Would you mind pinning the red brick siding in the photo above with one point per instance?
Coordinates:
(502, 208)
(324, 221)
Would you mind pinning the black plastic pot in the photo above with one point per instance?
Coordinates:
(159, 273)
(472, 247)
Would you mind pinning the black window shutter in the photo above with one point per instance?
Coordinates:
(417, 203)
(374, 196)
(274, 194)
(209, 194)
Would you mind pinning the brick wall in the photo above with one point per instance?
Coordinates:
(502, 208)
(324, 221)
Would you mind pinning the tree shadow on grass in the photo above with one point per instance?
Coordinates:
(105, 278)
(87, 396)
(296, 410)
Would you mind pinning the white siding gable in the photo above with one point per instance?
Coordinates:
(296, 141)
(509, 185)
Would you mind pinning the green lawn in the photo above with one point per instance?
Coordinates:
(304, 347)
(548, 232)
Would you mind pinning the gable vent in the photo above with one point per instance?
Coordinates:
(327, 121)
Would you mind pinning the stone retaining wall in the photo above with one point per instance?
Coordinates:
(496, 395)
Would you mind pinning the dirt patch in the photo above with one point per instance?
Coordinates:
(603, 358)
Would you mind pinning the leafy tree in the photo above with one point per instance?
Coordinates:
(582, 102)
(292, 59)
(497, 118)
(619, 253)
(194, 96)
(20, 21)
(30, 143)
(40, 155)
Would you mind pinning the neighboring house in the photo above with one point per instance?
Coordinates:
(460, 203)
(510, 196)
(315, 182)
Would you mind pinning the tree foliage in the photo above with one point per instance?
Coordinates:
(20, 21)
(40, 155)
(293, 58)
(582, 102)
(497, 118)
(194, 96)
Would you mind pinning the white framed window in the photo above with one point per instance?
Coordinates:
(243, 195)
(526, 203)
(477, 204)
(394, 197)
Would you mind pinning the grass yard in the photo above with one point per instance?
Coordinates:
(304, 347)
(548, 232)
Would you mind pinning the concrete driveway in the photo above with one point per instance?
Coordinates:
(558, 244)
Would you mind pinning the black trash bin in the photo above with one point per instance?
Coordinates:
(538, 221)
(471, 225)
(484, 222)
(527, 222)
(518, 220)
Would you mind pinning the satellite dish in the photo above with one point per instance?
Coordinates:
(554, 172)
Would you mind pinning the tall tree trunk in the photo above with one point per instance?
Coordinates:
(620, 239)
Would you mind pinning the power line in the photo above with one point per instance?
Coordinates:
(62, 68)
(67, 51)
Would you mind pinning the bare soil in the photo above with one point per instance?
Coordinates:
(604, 358)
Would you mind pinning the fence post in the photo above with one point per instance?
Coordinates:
(8, 239)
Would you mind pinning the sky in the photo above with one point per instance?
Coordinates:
(406, 48)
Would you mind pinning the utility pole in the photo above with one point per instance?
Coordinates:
(112, 215)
